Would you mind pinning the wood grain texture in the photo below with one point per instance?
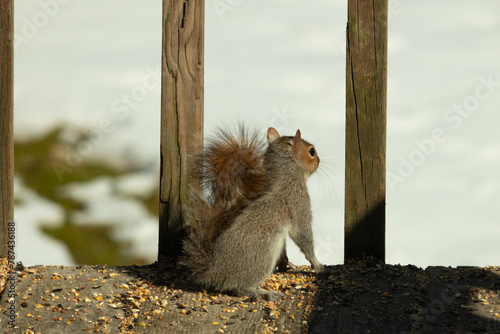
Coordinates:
(366, 89)
(181, 112)
(6, 121)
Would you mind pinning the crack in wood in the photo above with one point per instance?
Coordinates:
(184, 5)
(356, 110)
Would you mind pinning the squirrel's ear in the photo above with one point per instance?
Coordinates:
(296, 142)
(297, 136)
(272, 135)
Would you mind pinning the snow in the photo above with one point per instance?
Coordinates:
(33, 246)
(280, 63)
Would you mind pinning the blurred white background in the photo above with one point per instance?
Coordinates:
(277, 63)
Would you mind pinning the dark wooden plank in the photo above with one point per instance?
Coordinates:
(182, 112)
(6, 124)
(366, 86)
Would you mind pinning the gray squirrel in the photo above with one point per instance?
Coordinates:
(250, 198)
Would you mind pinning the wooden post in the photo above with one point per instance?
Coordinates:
(6, 123)
(181, 113)
(366, 89)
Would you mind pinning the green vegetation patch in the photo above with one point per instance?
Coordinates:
(48, 164)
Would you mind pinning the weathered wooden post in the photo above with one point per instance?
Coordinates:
(181, 112)
(366, 88)
(6, 123)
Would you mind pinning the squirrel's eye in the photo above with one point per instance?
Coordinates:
(312, 151)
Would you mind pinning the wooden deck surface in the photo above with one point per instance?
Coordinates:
(358, 297)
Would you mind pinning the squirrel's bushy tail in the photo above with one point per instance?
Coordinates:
(231, 167)
(232, 172)
(198, 243)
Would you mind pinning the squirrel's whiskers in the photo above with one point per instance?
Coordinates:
(329, 173)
